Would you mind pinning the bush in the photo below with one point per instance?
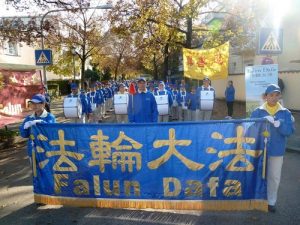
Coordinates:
(7, 138)
(6, 134)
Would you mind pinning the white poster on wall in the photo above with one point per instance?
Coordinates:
(257, 78)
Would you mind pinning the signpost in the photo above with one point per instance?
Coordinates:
(43, 57)
(270, 41)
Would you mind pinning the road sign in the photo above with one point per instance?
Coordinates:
(270, 41)
(43, 57)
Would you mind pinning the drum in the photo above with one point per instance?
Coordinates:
(121, 104)
(72, 108)
(162, 104)
(206, 100)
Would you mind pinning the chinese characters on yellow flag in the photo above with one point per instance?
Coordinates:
(212, 63)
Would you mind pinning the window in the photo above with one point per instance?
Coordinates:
(11, 48)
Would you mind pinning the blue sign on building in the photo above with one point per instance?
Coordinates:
(43, 57)
(270, 41)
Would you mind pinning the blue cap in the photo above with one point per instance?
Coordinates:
(161, 82)
(74, 86)
(141, 79)
(272, 88)
(38, 98)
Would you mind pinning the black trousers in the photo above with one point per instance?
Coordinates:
(229, 108)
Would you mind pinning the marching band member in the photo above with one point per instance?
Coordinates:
(94, 100)
(205, 114)
(192, 103)
(282, 126)
(152, 89)
(84, 103)
(174, 107)
(182, 105)
(121, 118)
(163, 92)
(101, 107)
(142, 107)
(86, 106)
(109, 96)
(40, 115)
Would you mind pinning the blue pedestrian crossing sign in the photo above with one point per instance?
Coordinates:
(43, 57)
(270, 41)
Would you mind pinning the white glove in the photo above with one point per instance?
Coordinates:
(276, 123)
(270, 119)
(31, 123)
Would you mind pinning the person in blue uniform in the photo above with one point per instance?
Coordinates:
(39, 115)
(174, 107)
(94, 99)
(142, 107)
(229, 97)
(204, 114)
(282, 126)
(86, 107)
(192, 103)
(163, 91)
(182, 104)
(101, 104)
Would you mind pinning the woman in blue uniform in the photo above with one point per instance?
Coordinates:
(39, 115)
(282, 126)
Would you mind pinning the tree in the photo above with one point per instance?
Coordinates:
(92, 75)
(169, 25)
(78, 27)
(81, 31)
(118, 53)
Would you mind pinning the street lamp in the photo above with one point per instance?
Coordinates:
(107, 6)
(73, 50)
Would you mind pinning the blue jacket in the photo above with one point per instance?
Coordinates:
(142, 108)
(229, 94)
(101, 94)
(278, 136)
(25, 133)
(181, 98)
(94, 97)
(174, 94)
(170, 99)
(86, 106)
(109, 93)
(192, 101)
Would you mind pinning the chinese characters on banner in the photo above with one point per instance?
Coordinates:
(175, 166)
(212, 63)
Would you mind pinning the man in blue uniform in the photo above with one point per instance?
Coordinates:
(142, 107)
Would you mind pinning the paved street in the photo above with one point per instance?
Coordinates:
(17, 206)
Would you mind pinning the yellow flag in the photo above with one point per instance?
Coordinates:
(212, 63)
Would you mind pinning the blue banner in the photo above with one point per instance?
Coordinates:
(208, 165)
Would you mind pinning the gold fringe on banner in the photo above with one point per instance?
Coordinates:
(225, 205)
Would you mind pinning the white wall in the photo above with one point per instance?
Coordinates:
(25, 56)
(290, 94)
